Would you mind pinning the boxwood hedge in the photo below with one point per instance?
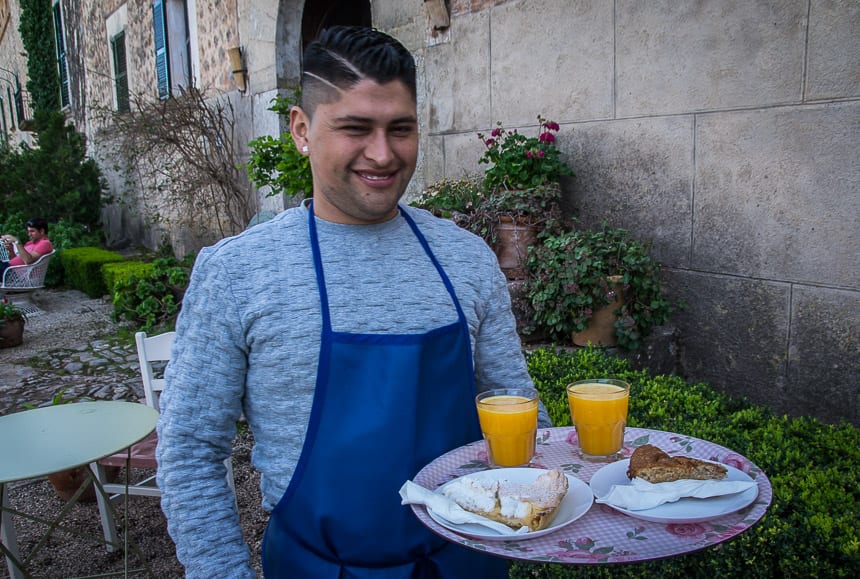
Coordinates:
(811, 528)
(83, 269)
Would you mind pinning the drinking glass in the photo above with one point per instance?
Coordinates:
(598, 408)
(508, 418)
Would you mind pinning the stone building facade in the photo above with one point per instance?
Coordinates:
(725, 132)
(15, 110)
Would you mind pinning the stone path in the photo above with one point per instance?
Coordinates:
(71, 346)
(100, 370)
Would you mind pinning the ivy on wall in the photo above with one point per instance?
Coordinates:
(44, 81)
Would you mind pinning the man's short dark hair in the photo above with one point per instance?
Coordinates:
(343, 56)
(38, 223)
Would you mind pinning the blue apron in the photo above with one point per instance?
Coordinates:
(370, 430)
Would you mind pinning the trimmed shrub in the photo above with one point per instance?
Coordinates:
(122, 271)
(153, 299)
(811, 527)
(83, 269)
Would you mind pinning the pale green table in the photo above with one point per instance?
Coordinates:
(40, 442)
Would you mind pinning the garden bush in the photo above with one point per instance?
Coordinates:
(55, 179)
(153, 299)
(810, 529)
(82, 267)
(120, 271)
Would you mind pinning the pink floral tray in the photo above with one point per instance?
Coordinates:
(603, 535)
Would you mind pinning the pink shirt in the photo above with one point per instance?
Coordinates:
(42, 247)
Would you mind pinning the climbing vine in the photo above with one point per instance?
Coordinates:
(36, 28)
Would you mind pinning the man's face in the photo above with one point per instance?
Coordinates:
(34, 234)
(363, 150)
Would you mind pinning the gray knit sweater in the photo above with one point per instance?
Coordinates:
(248, 339)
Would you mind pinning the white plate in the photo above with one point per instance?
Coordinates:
(688, 510)
(575, 504)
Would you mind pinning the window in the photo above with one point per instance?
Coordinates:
(172, 46)
(62, 63)
(120, 72)
(122, 79)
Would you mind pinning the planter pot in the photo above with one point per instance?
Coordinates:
(67, 482)
(512, 242)
(11, 333)
(601, 325)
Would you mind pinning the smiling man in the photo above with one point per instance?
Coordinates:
(355, 350)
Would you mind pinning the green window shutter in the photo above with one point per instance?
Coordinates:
(162, 62)
(62, 65)
(120, 72)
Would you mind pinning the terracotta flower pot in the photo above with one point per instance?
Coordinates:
(512, 243)
(601, 325)
(66, 483)
(11, 333)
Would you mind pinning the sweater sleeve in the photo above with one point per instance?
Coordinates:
(199, 410)
(499, 359)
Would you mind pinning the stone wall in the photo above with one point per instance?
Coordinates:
(724, 132)
(13, 63)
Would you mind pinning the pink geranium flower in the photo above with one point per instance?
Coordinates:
(518, 161)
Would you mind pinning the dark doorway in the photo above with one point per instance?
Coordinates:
(320, 15)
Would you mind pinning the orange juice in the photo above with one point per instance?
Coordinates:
(509, 424)
(599, 413)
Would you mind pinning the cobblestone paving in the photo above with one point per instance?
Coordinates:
(100, 370)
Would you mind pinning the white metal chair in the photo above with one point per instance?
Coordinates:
(150, 349)
(22, 279)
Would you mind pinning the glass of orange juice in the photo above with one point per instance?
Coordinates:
(508, 419)
(598, 408)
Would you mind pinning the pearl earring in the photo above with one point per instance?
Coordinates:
(305, 149)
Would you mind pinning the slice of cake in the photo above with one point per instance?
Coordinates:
(655, 466)
(533, 505)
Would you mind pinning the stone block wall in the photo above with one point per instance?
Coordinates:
(13, 63)
(726, 133)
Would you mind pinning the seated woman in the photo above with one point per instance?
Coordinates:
(31, 251)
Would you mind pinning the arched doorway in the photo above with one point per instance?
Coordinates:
(320, 15)
(300, 22)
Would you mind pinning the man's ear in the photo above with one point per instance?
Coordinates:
(300, 126)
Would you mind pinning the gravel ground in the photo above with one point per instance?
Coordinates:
(71, 320)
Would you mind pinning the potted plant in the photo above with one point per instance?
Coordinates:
(522, 179)
(12, 321)
(522, 192)
(576, 274)
(453, 199)
(276, 163)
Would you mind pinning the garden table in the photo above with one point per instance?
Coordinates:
(39, 442)
(603, 534)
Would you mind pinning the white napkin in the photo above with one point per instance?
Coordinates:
(413, 494)
(642, 494)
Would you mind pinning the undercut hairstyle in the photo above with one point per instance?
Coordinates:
(343, 56)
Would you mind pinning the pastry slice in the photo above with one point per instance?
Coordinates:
(533, 505)
(655, 466)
